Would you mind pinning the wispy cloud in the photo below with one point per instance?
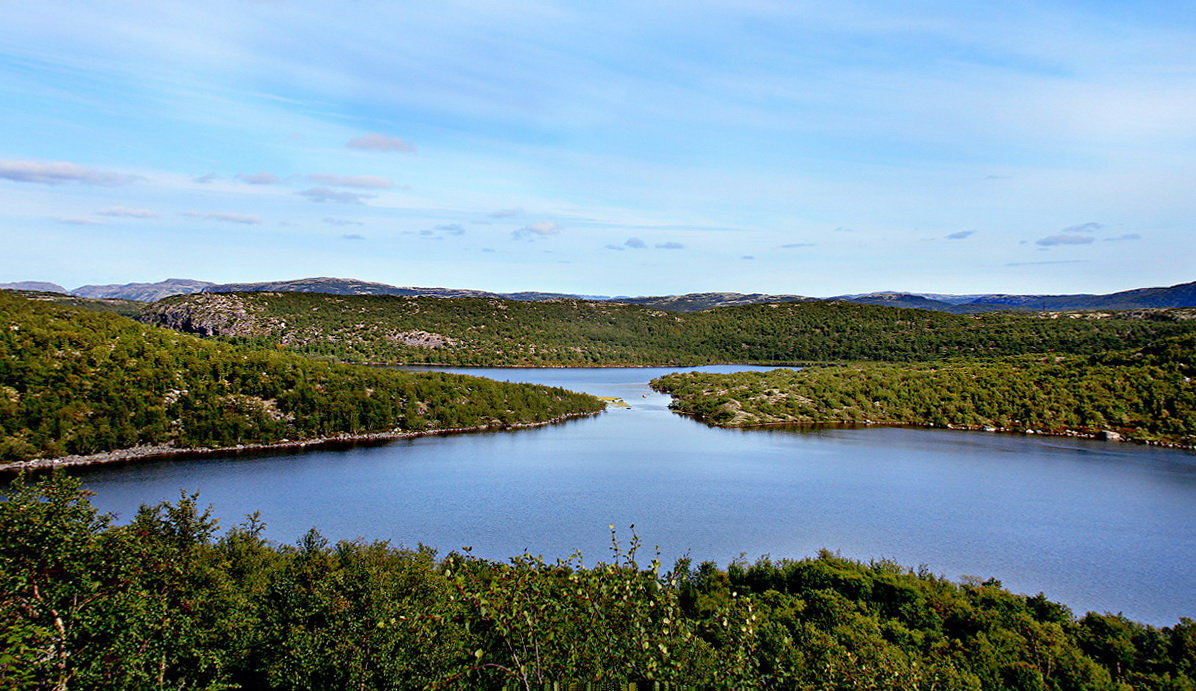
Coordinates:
(747, 256)
(1122, 238)
(380, 142)
(1089, 227)
(59, 173)
(125, 212)
(961, 235)
(617, 248)
(1062, 261)
(205, 179)
(670, 246)
(536, 230)
(327, 194)
(368, 182)
(451, 229)
(340, 222)
(635, 243)
(1063, 239)
(352, 236)
(78, 221)
(795, 245)
(258, 178)
(223, 217)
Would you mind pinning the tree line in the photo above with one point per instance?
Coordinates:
(1146, 393)
(79, 382)
(567, 332)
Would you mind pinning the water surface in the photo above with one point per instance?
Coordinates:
(1098, 525)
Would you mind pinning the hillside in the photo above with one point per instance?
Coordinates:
(1145, 394)
(142, 292)
(474, 331)
(80, 382)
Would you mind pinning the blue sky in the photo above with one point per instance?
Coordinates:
(606, 148)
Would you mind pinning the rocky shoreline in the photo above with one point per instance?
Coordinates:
(138, 453)
(1101, 435)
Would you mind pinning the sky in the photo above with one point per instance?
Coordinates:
(615, 148)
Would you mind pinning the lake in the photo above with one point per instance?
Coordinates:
(1097, 525)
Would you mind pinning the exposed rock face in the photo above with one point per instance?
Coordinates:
(213, 315)
(422, 339)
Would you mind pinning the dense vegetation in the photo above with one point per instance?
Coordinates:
(1146, 394)
(80, 382)
(478, 331)
(164, 602)
(128, 308)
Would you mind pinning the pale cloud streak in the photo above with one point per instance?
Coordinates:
(536, 230)
(224, 217)
(369, 182)
(125, 212)
(59, 173)
(380, 142)
(258, 178)
(78, 221)
(1063, 239)
(327, 194)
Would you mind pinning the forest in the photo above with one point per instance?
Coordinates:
(1145, 394)
(74, 381)
(491, 332)
(168, 601)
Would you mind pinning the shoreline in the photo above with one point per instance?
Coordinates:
(1102, 435)
(147, 452)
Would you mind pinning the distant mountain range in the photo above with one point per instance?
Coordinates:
(1182, 295)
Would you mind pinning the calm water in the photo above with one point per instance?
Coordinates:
(1097, 525)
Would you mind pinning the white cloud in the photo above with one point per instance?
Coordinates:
(58, 173)
(380, 142)
(125, 212)
(327, 194)
(78, 221)
(530, 232)
(369, 182)
(247, 219)
(258, 178)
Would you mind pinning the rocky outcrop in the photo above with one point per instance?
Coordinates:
(212, 315)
